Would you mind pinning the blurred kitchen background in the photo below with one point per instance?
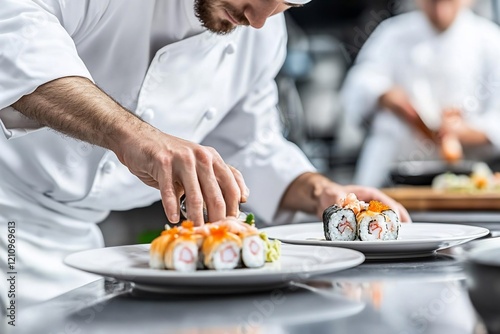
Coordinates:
(324, 39)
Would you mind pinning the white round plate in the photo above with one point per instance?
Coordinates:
(415, 240)
(484, 252)
(130, 263)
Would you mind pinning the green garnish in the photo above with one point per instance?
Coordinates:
(146, 237)
(250, 220)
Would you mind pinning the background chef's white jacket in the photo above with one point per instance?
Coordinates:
(155, 59)
(457, 68)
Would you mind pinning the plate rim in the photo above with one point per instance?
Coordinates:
(394, 249)
(484, 231)
(473, 251)
(328, 267)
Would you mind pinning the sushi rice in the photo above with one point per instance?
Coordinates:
(339, 224)
(372, 226)
(182, 255)
(393, 224)
(253, 252)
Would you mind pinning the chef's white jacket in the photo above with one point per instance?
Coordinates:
(155, 59)
(457, 68)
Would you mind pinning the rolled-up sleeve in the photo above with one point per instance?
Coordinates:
(35, 48)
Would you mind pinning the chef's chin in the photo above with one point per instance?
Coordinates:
(207, 12)
(222, 27)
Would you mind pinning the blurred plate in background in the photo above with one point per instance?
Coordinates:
(483, 279)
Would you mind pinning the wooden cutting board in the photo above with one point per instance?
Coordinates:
(426, 198)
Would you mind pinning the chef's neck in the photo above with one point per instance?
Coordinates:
(442, 13)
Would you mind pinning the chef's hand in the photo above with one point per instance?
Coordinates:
(397, 101)
(176, 167)
(78, 108)
(313, 193)
(454, 125)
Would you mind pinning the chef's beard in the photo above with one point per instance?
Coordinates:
(205, 11)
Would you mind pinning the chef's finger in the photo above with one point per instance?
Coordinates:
(404, 216)
(214, 200)
(245, 192)
(192, 190)
(169, 200)
(194, 204)
(229, 186)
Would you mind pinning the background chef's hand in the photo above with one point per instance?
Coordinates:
(454, 125)
(397, 101)
(313, 193)
(176, 166)
(368, 194)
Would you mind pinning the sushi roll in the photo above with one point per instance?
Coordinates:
(159, 247)
(223, 245)
(339, 223)
(372, 226)
(221, 249)
(376, 229)
(253, 251)
(182, 253)
(200, 233)
(393, 224)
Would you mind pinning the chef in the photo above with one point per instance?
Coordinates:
(112, 105)
(422, 79)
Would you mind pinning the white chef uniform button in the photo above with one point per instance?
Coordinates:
(210, 113)
(230, 48)
(108, 167)
(148, 115)
(163, 57)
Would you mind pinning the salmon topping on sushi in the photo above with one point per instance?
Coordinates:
(222, 245)
(352, 202)
(376, 206)
(352, 219)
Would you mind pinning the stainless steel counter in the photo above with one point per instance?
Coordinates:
(405, 297)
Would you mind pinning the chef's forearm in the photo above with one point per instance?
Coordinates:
(78, 108)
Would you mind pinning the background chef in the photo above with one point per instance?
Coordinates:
(79, 66)
(422, 78)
